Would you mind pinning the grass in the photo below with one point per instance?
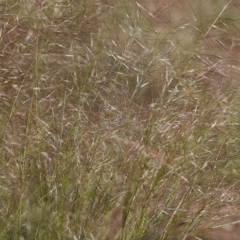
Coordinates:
(118, 121)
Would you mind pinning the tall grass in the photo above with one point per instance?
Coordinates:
(119, 119)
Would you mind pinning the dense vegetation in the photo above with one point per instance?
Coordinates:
(119, 119)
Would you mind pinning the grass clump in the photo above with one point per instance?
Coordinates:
(118, 121)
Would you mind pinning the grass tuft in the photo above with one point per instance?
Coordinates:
(119, 119)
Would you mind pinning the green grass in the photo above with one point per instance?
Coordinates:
(118, 121)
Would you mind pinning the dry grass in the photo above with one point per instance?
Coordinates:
(119, 119)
